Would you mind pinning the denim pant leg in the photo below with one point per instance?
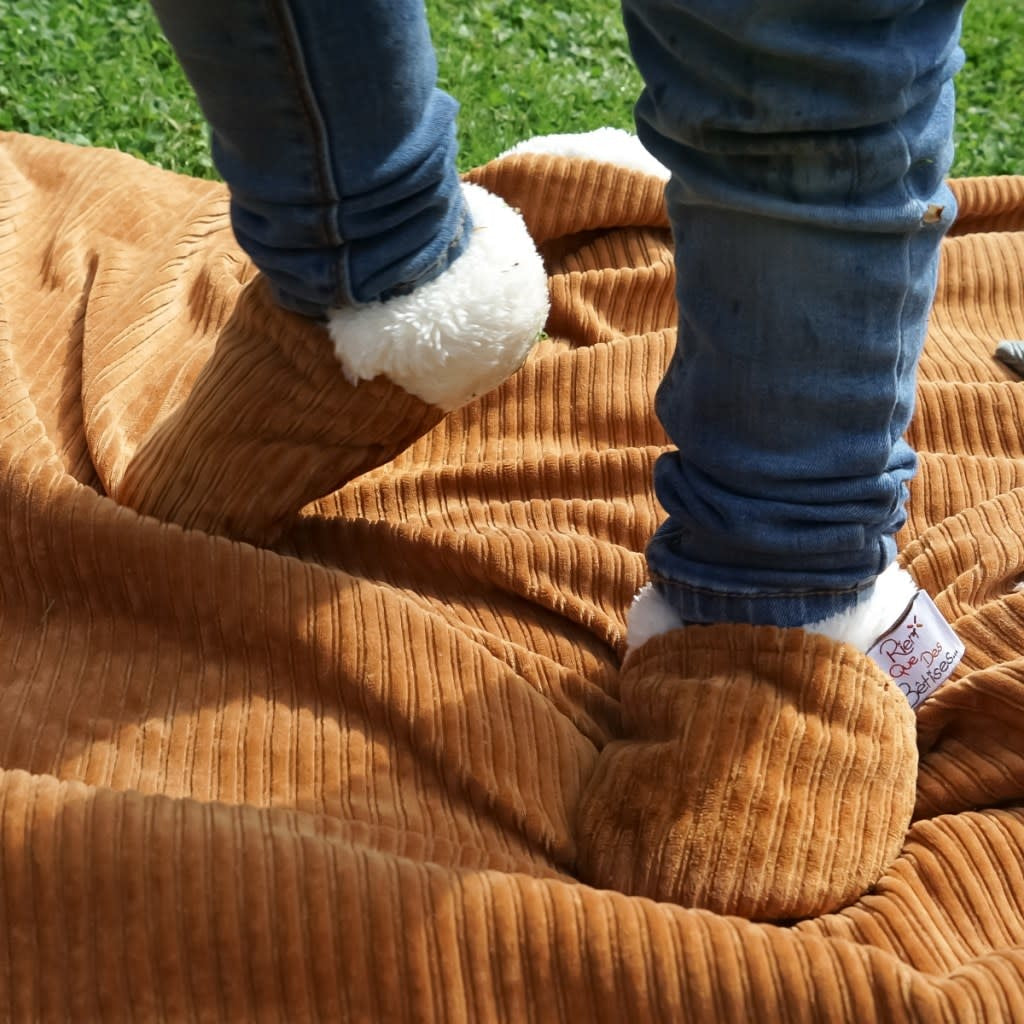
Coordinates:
(336, 145)
(808, 144)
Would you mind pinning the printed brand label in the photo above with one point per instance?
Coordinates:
(920, 652)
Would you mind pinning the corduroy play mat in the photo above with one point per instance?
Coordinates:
(380, 770)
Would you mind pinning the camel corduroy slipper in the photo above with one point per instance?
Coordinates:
(763, 772)
(791, 755)
(285, 412)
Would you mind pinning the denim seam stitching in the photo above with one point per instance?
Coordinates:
(281, 12)
(767, 595)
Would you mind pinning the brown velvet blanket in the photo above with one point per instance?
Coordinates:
(341, 779)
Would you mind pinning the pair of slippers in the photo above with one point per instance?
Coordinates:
(762, 772)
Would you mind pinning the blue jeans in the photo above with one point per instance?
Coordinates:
(337, 147)
(808, 144)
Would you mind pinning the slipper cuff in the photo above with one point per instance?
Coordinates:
(463, 333)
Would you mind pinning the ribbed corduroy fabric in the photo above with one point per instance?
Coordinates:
(792, 762)
(341, 778)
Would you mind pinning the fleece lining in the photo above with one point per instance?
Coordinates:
(466, 331)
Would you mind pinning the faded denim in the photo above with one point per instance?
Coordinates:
(337, 147)
(808, 144)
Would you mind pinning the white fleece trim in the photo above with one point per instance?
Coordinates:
(875, 614)
(649, 615)
(606, 145)
(466, 331)
(860, 626)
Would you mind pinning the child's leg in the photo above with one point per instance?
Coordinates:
(339, 153)
(808, 145)
(766, 772)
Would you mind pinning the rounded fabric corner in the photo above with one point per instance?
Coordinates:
(766, 773)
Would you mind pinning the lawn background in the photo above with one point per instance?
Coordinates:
(101, 74)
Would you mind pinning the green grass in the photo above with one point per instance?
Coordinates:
(990, 125)
(98, 74)
(101, 74)
(522, 69)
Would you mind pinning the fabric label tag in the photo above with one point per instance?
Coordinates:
(920, 652)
